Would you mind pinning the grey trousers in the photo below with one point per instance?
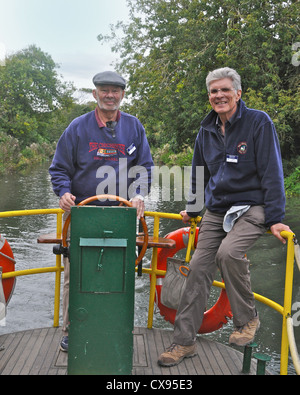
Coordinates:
(66, 287)
(65, 299)
(226, 251)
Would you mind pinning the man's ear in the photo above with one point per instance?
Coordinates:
(239, 95)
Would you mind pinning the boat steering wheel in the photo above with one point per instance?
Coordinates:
(122, 201)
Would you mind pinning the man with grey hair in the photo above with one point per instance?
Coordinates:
(225, 72)
(244, 196)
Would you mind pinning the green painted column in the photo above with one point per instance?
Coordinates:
(101, 306)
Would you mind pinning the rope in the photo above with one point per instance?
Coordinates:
(297, 253)
(292, 344)
(8, 257)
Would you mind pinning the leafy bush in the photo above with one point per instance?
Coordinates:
(292, 183)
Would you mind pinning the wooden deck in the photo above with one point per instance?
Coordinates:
(36, 352)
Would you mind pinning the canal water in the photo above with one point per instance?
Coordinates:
(31, 305)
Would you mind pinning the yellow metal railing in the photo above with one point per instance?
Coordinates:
(285, 310)
(57, 269)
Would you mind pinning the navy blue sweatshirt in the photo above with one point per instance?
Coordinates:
(91, 160)
(243, 167)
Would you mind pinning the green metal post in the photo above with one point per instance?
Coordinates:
(247, 357)
(101, 306)
(262, 360)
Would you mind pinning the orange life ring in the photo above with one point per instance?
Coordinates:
(217, 315)
(7, 261)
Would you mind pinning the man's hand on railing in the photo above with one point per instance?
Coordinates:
(276, 229)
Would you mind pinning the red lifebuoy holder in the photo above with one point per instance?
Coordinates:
(217, 315)
(7, 261)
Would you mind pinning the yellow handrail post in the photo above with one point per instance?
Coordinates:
(285, 310)
(154, 271)
(153, 275)
(192, 236)
(57, 269)
(287, 306)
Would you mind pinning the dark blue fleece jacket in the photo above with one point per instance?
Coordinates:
(242, 168)
(91, 160)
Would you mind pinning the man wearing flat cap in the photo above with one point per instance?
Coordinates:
(102, 152)
(101, 137)
(109, 78)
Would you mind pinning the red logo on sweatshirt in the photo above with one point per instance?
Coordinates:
(107, 147)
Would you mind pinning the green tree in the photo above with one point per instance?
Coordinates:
(168, 48)
(30, 93)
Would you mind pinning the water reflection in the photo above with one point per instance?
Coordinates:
(32, 303)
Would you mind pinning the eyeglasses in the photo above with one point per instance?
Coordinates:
(213, 92)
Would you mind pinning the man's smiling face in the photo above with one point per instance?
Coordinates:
(108, 97)
(223, 97)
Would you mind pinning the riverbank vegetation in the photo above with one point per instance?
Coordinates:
(35, 108)
(166, 51)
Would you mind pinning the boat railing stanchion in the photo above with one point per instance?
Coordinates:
(247, 357)
(262, 360)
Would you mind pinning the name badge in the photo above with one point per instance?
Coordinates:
(130, 150)
(232, 158)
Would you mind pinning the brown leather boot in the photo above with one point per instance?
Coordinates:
(175, 354)
(245, 334)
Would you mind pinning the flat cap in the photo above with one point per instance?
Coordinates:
(109, 78)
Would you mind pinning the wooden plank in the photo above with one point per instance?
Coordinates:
(50, 238)
(29, 353)
(35, 368)
(37, 352)
(154, 346)
(16, 353)
(231, 359)
(204, 360)
(62, 359)
(195, 365)
(52, 345)
(190, 367)
(219, 360)
(139, 355)
(161, 242)
(34, 349)
(140, 363)
(8, 347)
